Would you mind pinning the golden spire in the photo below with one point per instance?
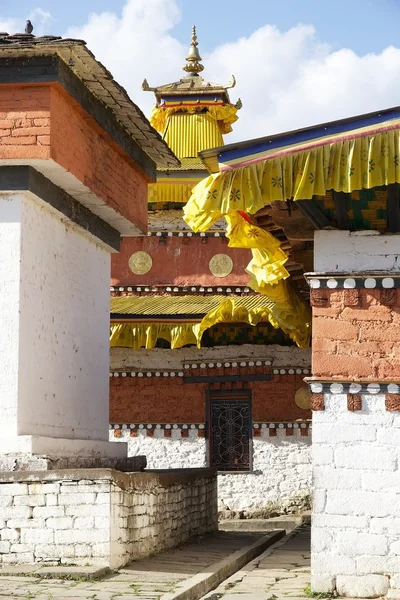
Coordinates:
(193, 65)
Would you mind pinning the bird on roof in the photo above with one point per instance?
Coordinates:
(28, 27)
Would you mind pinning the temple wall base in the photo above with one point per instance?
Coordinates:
(356, 514)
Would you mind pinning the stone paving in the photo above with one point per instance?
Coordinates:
(148, 579)
(280, 573)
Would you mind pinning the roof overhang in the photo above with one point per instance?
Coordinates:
(70, 63)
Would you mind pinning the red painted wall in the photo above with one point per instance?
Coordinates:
(151, 400)
(180, 261)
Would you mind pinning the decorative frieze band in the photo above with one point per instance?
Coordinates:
(346, 282)
(179, 290)
(210, 365)
(185, 234)
(198, 429)
(321, 387)
(354, 393)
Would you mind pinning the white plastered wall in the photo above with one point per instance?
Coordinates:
(281, 470)
(55, 325)
(356, 511)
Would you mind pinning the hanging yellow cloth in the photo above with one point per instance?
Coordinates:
(286, 311)
(267, 272)
(145, 335)
(268, 259)
(224, 114)
(344, 165)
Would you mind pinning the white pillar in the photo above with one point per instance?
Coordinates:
(54, 342)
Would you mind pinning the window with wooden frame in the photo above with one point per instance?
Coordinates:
(229, 428)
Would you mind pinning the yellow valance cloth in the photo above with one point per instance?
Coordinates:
(345, 165)
(145, 335)
(224, 114)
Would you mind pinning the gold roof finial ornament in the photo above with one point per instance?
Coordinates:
(193, 65)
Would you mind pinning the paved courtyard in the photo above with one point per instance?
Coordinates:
(280, 572)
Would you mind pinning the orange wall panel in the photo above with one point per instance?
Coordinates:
(180, 261)
(80, 146)
(24, 122)
(153, 400)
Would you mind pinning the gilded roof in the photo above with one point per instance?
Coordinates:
(192, 84)
(151, 307)
(99, 81)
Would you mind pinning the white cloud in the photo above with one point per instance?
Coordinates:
(286, 79)
(41, 20)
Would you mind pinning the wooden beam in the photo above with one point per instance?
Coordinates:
(393, 208)
(339, 199)
(315, 215)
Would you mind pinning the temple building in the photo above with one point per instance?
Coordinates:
(206, 369)
(334, 188)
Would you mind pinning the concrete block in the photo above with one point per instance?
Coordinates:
(37, 536)
(45, 512)
(4, 547)
(362, 586)
(12, 535)
(88, 510)
(354, 457)
(322, 455)
(53, 551)
(31, 500)
(322, 584)
(87, 522)
(19, 558)
(331, 478)
(45, 488)
(78, 499)
(6, 501)
(59, 523)
(13, 489)
(16, 512)
(353, 543)
(325, 433)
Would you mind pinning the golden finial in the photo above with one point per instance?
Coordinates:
(193, 64)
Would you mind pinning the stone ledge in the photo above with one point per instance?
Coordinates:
(62, 572)
(137, 479)
(20, 464)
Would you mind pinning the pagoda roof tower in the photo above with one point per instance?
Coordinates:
(193, 114)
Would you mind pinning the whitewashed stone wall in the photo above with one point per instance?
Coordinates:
(356, 508)
(54, 348)
(281, 466)
(163, 359)
(101, 517)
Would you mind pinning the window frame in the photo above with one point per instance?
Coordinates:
(244, 395)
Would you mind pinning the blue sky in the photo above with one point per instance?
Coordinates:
(363, 25)
(296, 62)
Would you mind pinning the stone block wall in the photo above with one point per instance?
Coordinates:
(356, 513)
(101, 517)
(281, 466)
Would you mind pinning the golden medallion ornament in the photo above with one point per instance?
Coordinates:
(140, 263)
(303, 398)
(220, 265)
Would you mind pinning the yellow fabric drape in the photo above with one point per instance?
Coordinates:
(268, 259)
(224, 114)
(287, 312)
(145, 335)
(345, 166)
(267, 272)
